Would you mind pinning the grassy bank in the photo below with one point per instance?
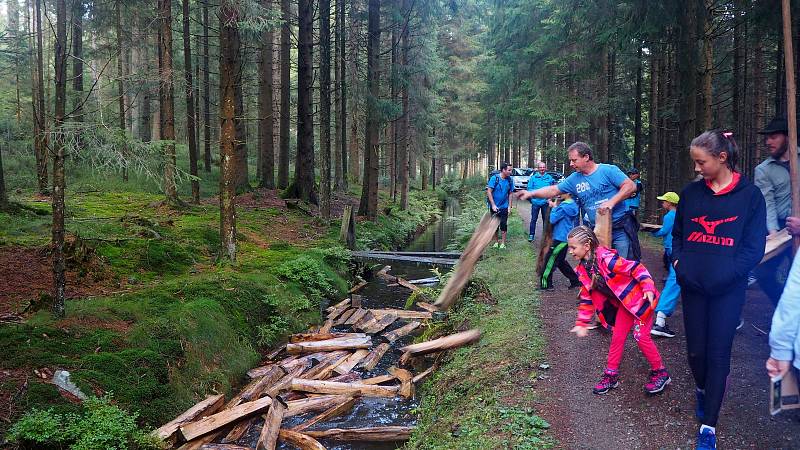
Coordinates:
(482, 397)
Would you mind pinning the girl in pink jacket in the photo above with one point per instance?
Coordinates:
(623, 295)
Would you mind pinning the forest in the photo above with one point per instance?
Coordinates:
(204, 106)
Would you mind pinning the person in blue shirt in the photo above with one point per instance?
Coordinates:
(563, 217)
(538, 179)
(671, 292)
(635, 199)
(596, 186)
(498, 193)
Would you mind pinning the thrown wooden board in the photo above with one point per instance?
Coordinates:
(268, 439)
(214, 422)
(403, 313)
(443, 343)
(776, 244)
(396, 334)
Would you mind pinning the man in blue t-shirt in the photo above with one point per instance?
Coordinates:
(596, 186)
(538, 179)
(635, 200)
(498, 193)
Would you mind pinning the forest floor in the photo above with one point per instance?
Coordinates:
(628, 418)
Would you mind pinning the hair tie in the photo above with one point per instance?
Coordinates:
(728, 134)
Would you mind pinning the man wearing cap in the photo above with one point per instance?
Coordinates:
(635, 199)
(669, 295)
(772, 177)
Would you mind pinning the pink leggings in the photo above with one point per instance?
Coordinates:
(623, 324)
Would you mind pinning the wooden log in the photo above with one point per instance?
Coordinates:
(347, 232)
(300, 440)
(274, 353)
(364, 319)
(378, 380)
(355, 301)
(406, 383)
(313, 404)
(284, 383)
(480, 239)
(339, 309)
(329, 345)
(364, 325)
(256, 388)
(429, 280)
(208, 406)
(649, 227)
(403, 313)
(358, 315)
(238, 431)
(384, 274)
(196, 444)
(223, 447)
(330, 309)
(424, 374)
(443, 343)
(349, 377)
(216, 421)
(427, 307)
(407, 285)
(325, 369)
(348, 364)
(344, 316)
(357, 287)
(334, 411)
(380, 324)
(268, 439)
(334, 388)
(603, 227)
(396, 334)
(312, 337)
(326, 327)
(776, 244)
(371, 360)
(377, 434)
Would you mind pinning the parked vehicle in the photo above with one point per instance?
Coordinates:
(520, 176)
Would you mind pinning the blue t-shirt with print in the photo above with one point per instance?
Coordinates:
(500, 189)
(594, 189)
(537, 181)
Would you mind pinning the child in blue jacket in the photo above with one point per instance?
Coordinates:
(563, 217)
(671, 291)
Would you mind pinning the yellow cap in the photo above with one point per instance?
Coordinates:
(670, 197)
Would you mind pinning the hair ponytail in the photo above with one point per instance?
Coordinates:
(584, 235)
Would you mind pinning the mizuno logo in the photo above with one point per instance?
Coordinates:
(712, 225)
(697, 236)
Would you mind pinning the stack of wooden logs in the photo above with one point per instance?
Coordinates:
(317, 372)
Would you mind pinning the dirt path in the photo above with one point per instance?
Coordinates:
(629, 419)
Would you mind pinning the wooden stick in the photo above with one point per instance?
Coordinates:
(400, 332)
(338, 305)
(377, 434)
(330, 413)
(209, 406)
(255, 389)
(300, 440)
(374, 357)
(424, 374)
(340, 308)
(791, 116)
(326, 327)
(214, 422)
(332, 387)
(268, 439)
(324, 369)
(443, 343)
(311, 337)
(343, 318)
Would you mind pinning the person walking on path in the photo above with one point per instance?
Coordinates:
(671, 291)
(784, 336)
(563, 217)
(718, 238)
(623, 294)
(635, 199)
(596, 186)
(498, 194)
(772, 178)
(538, 179)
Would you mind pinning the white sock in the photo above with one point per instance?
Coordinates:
(661, 319)
(706, 427)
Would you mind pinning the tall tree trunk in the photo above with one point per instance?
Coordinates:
(652, 170)
(303, 185)
(190, 111)
(78, 11)
(611, 138)
(206, 94)
(266, 119)
(166, 98)
(242, 168)
(637, 113)
(3, 194)
(325, 108)
(146, 119)
(59, 183)
(760, 95)
(229, 65)
(353, 73)
(687, 63)
(405, 119)
(40, 118)
(708, 65)
(340, 173)
(531, 143)
(120, 83)
(369, 190)
(283, 150)
(13, 34)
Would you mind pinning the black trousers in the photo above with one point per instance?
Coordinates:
(556, 258)
(710, 323)
(771, 278)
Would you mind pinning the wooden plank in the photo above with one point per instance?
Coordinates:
(776, 244)
(349, 377)
(649, 227)
(374, 357)
(403, 313)
(427, 307)
(405, 377)
(407, 285)
(268, 439)
(239, 430)
(358, 315)
(334, 388)
(396, 334)
(329, 345)
(453, 255)
(367, 322)
(443, 343)
(424, 374)
(323, 371)
(603, 226)
(332, 307)
(255, 389)
(343, 318)
(208, 406)
(196, 444)
(326, 327)
(313, 404)
(378, 380)
(300, 440)
(355, 301)
(347, 232)
(214, 422)
(223, 447)
(377, 434)
(348, 364)
(311, 337)
(380, 324)
(338, 309)
(407, 259)
(284, 383)
(334, 411)
(357, 287)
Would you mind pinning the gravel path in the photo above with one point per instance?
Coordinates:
(627, 418)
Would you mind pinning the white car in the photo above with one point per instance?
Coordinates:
(520, 176)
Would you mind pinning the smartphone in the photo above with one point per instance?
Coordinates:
(775, 395)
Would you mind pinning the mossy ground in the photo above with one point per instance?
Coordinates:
(483, 396)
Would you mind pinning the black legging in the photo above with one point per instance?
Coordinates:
(710, 323)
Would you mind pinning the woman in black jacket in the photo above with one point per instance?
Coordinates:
(718, 238)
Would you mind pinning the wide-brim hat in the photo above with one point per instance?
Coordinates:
(776, 125)
(670, 197)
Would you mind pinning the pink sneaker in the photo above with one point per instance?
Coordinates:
(609, 381)
(659, 379)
